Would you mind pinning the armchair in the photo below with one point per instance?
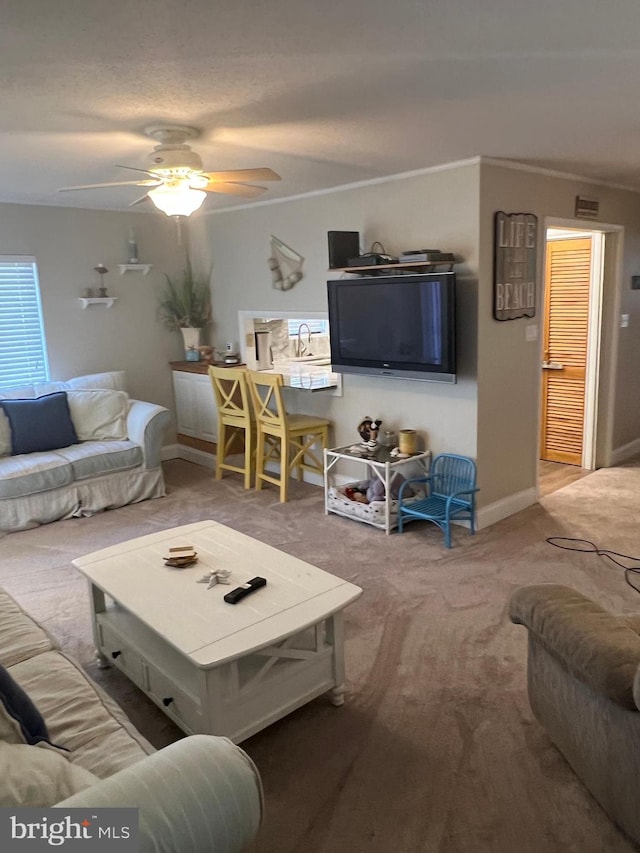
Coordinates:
(450, 494)
(583, 676)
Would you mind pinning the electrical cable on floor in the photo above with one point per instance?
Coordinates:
(601, 552)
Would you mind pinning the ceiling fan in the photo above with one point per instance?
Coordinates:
(175, 177)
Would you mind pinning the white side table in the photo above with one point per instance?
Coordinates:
(380, 464)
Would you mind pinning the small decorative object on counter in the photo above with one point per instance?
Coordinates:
(192, 354)
(206, 354)
(230, 354)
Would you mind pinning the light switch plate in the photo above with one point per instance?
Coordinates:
(531, 332)
(624, 321)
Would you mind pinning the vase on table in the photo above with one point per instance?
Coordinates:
(190, 337)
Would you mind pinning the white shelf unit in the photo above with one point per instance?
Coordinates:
(380, 514)
(411, 267)
(108, 301)
(143, 268)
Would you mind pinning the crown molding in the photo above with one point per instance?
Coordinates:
(443, 167)
(552, 173)
(478, 160)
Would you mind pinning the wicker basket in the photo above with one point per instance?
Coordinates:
(373, 512)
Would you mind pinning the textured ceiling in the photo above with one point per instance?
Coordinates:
(326, 93)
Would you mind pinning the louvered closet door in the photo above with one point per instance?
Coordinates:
(568, 275)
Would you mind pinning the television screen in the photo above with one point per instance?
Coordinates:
(394, 326)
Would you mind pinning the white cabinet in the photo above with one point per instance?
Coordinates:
(196, 411)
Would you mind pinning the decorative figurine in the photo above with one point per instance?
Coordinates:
(215, 576)
(368, 430)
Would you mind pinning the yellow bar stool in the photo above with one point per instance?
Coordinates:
(297, 441)
(235, 419)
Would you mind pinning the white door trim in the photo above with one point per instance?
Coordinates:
(596, 230)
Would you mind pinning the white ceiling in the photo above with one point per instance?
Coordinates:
(325, 92)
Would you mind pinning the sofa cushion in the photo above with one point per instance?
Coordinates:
(37, 776)
(94, 458)
(20, 636)
(31, 473)
(79, 715)
(99, 415)
(41, 424)
(113, 379)
(20, 720)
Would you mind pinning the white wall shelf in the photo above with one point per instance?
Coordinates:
(412, 268)
(85, 301)
(143, 268)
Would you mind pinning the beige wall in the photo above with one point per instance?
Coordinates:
(509, 366)
(491, 413)
(438, 209)
(67, 244)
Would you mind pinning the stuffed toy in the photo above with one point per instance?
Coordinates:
(375, 489)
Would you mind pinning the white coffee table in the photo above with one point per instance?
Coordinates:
(213, 667)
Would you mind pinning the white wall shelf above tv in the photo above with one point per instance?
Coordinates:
(85, 301)
(143, 268)
(399, 269)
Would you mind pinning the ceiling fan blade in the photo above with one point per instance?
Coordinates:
(243, 175)
(243, 190)
(116, 184)
(134, 169)
(142, 198)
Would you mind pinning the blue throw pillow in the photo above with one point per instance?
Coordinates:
(43, 423)
(15, 703)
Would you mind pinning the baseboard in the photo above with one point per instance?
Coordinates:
(189, 454)
(485, 516)
(208, 460)
(492, 513)
(621, 454)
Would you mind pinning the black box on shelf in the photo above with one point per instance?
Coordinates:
(342, 246)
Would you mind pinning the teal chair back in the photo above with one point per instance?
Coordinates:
(451, 474)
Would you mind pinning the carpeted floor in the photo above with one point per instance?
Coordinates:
(436, 749)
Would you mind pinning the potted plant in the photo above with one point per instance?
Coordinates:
(185, 304)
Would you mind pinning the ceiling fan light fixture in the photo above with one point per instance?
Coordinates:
(177, 199)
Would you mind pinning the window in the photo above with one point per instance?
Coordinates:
(316, 327)
(23, 352)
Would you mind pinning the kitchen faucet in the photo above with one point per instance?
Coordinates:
(302, 348)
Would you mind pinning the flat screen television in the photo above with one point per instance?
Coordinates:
(402, 326)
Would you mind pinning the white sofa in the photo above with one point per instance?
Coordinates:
(199, 795)
(116, 460)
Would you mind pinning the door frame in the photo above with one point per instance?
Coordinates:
(603, 314)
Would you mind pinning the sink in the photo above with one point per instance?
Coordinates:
(315, 359)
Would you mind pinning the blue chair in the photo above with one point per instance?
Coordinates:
(450, 493)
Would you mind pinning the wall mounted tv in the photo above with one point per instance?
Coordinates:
(400, 326)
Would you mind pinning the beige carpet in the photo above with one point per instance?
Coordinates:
(435, 749)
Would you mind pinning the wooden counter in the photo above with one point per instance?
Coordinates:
(198, 366)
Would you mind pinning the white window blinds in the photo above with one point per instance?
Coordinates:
(316, 327)
(23, 354)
